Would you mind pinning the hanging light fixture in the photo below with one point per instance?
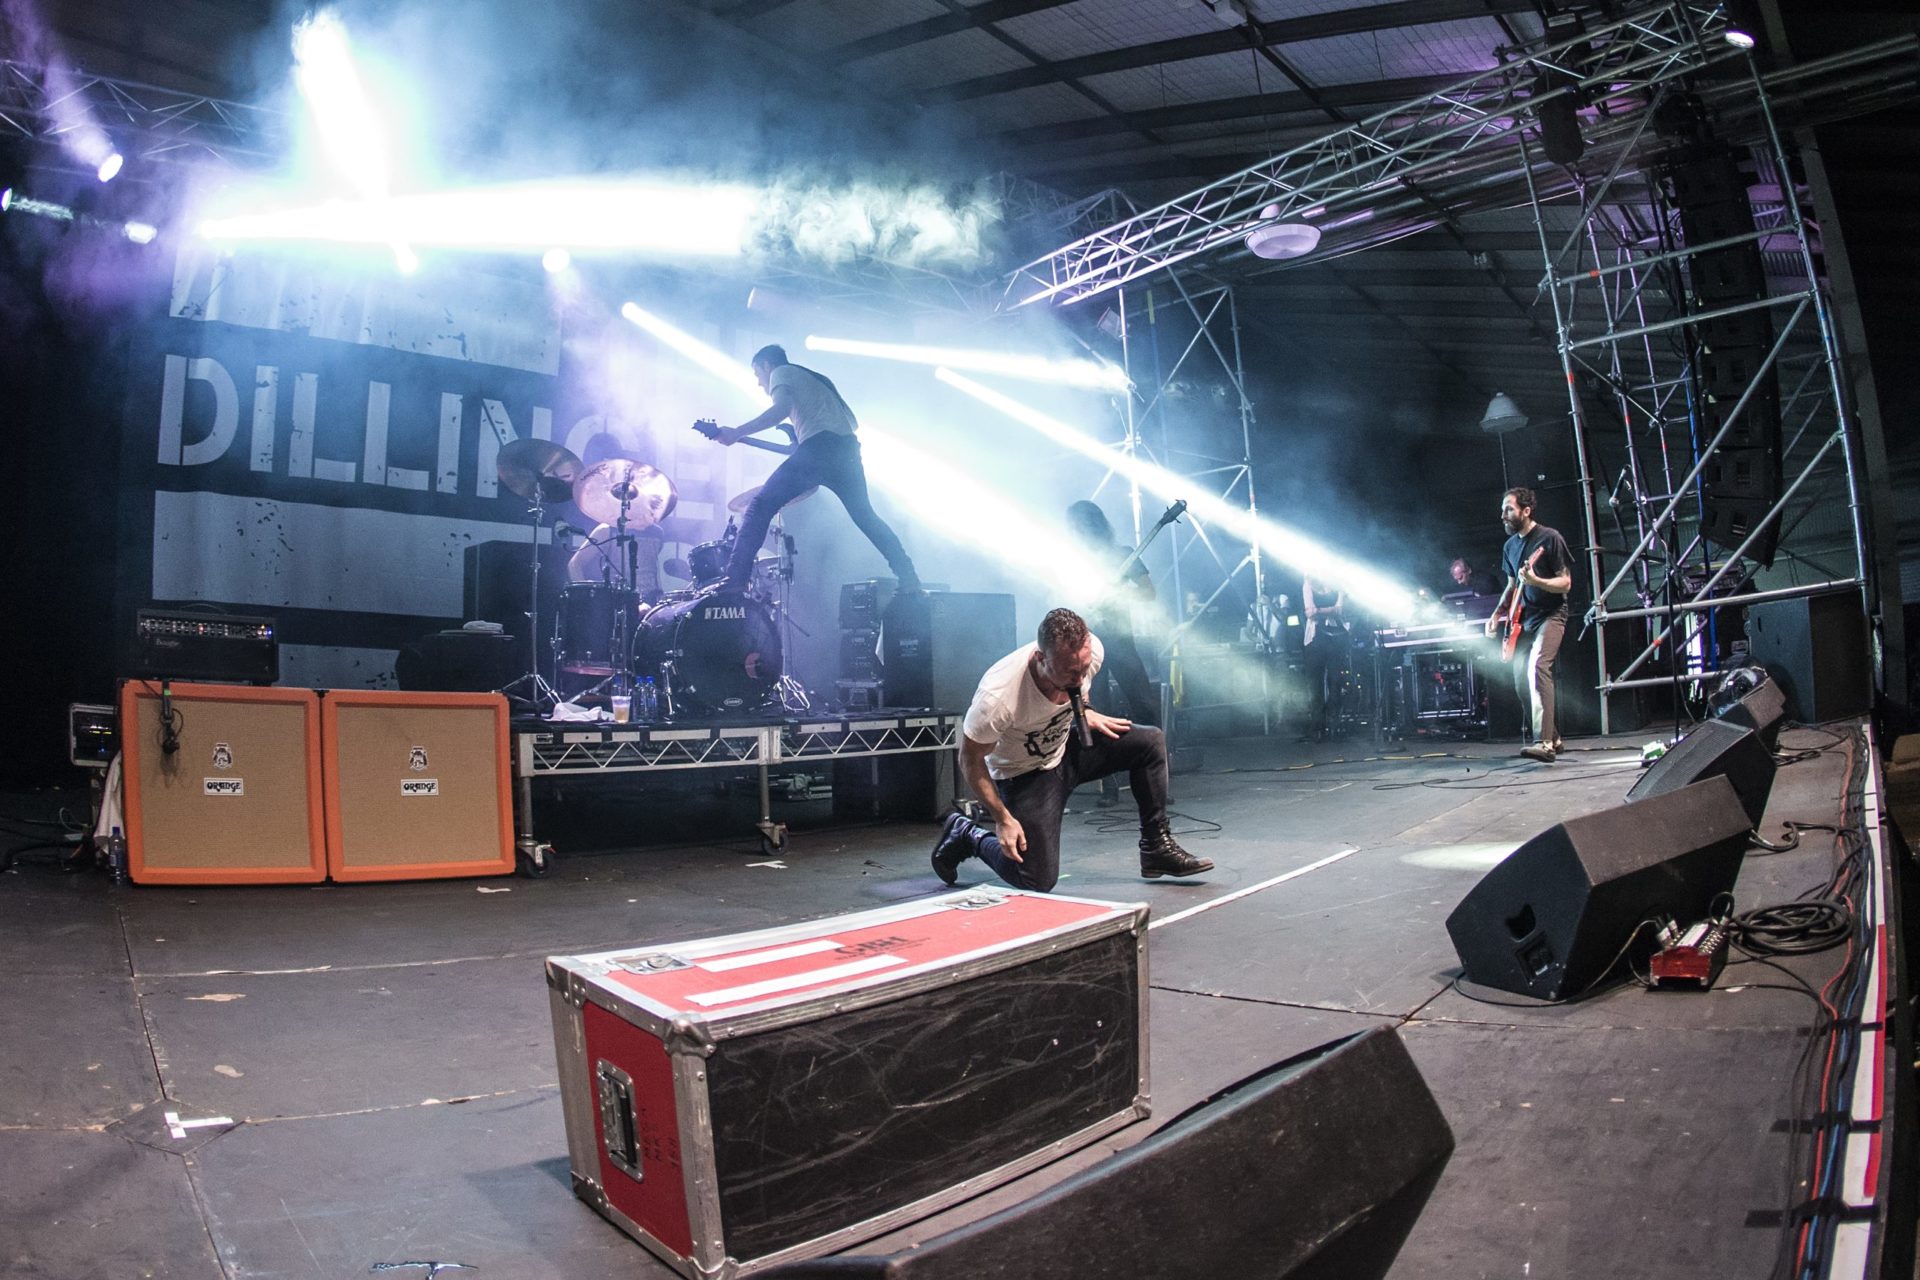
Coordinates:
(1502, 415)
(1282, 240)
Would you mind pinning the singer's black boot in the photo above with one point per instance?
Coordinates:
(960, 839)
(1161, 855)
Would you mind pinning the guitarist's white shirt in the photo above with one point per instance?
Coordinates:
(812, 405)
(1028, 730)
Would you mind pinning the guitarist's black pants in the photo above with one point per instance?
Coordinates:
(830, 459)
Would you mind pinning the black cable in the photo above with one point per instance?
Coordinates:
(1794, 928)
(1577, 996)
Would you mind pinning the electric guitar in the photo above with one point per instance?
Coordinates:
(1167, 517)
(710, 428)
(1510, 641)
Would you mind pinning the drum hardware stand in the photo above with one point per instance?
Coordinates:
(544, 695)
(788, 691)
(620, 650)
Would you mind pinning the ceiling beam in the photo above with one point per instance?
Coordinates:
(1382, 93)
(1340, 22)
(933, 28)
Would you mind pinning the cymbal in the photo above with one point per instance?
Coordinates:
(677, 568)
(525, 464)
(744, 499)
(648, 494)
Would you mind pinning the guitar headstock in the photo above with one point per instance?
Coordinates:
(707, 427)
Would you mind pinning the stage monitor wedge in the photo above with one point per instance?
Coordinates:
(1317, 1167)
(238, 799)
(1713, 748)
(418, 785)
(1558, 912)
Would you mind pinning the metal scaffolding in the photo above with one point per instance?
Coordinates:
(1623, 283)
(146, 121)
(1380, 178)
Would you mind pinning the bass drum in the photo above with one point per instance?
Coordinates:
(717, 653)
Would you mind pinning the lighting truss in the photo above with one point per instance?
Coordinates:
(1338, 181)
(146, 121)
(1620, 302)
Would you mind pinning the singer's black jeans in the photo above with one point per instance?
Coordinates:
(1038, 799)
(830, 459)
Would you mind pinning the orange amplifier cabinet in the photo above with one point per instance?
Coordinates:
(417, 785)
(237, 801)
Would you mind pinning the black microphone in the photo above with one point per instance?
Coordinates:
(561, 529)
(1080, 717)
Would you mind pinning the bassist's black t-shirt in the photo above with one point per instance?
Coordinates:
(1537, 605)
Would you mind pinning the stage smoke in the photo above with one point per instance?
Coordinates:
(1387, 598)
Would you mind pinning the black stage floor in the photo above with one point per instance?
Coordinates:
(382, 1054)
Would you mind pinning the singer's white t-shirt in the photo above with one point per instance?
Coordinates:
(1028, 730)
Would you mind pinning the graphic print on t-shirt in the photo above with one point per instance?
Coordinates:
(1042, 742)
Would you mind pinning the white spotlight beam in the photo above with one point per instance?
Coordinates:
(1073, 372)
(352, 136)
(1282, 543)
(703, 221)
(712, 359)
(963, 510)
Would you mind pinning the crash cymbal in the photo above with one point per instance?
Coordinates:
(525, 464)
(744, 499)
(602, 488)
(677, 568)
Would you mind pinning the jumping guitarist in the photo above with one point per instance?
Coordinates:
(1539, 572)
(826, 452)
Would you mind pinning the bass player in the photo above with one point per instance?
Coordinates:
(1539, 572)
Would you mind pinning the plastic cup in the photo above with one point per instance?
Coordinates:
(622, 708)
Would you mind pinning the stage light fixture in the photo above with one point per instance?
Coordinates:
(1737, 38)
(1072, 371)
(110, 167)
(556, 261)
(1280, 241)
(6, 199)
(141, 232)
(1286, 545)
(1502, 415)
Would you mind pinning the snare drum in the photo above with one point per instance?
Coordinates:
(587, 629)
(719, 652)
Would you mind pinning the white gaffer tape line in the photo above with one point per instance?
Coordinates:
(1253, 888)
(178, 1127)
(752, 958)
(811, 977)
(1852, 1245)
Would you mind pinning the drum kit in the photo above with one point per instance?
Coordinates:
(710, 649)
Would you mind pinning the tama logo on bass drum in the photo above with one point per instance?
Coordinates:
(724, 611)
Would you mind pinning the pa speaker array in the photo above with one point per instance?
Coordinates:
(1708, 190)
